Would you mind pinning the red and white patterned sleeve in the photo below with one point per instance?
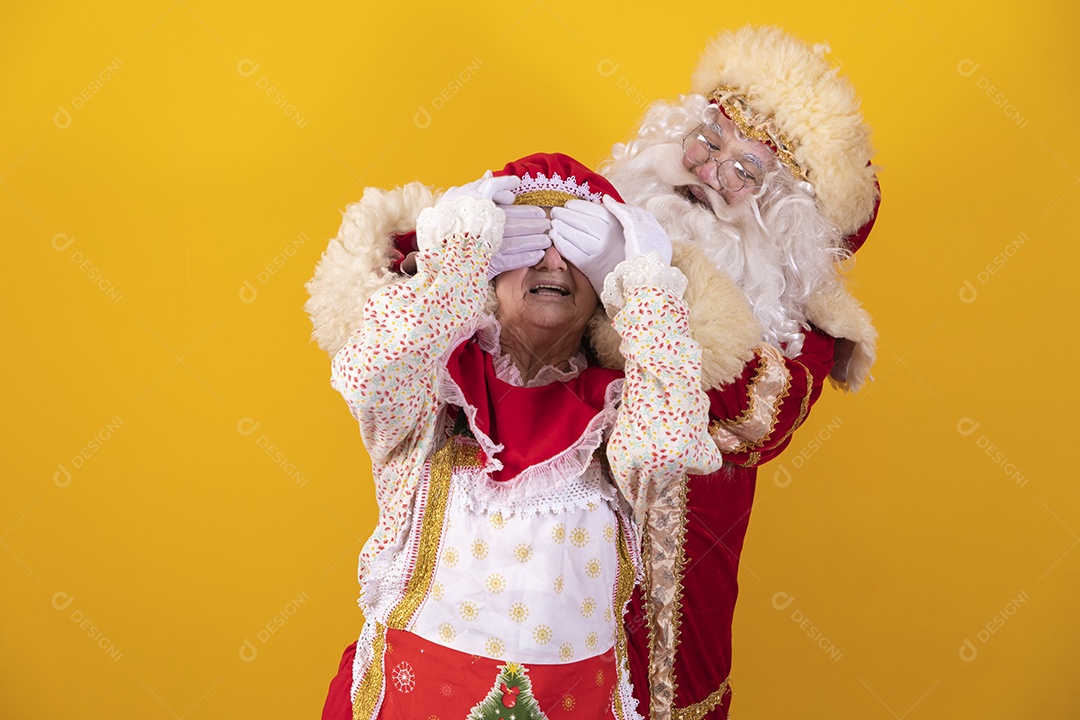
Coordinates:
(661, 432)
(388, 371)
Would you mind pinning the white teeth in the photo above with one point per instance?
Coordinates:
(551, 288)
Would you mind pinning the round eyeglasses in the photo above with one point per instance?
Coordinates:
(730, 173)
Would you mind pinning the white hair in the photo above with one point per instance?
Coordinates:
(778, 247)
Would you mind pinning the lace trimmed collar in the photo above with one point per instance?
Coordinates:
(506, 371)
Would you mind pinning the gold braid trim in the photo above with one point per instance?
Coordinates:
(624, 586)
(371, 686)
(440, 471)
(679, 572)
(771, 367)
(758, 126)
(753, 460)
(700, 709)
(544, 198)
(648, 606)
(777, 409)
(755, 457)
(804, 408)
(665, 531)
(745, 415)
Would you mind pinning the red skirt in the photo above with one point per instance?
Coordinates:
(423, 681)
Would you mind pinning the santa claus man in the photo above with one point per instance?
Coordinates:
(762, 178)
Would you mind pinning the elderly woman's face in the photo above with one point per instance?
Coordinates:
(551, 295)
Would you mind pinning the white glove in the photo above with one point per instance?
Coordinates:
(642, 230)
(496, 189)
(590, 237)
(525, 239)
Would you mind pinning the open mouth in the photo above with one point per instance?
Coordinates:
(553, 290)
(694, 194)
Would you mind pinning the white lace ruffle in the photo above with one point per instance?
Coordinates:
(468, 216)
(536, 489)
(507, 371)
(384, 582)
(450, 392)
(647, 269)
(544, 477)
(633, 542)
(569, 463)
(570, 185)
(552, 495)
(625, 689)
(363, 658)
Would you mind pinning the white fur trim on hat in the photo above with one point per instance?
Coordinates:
(814, 107)
(357, 262)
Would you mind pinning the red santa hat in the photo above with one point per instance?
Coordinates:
(783, 92)
(552, 179)
(547, 179)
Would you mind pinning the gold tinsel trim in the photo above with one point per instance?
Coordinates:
(544, 198)
(466, 456)
(758, 126)
(371, 686)
(427, 554)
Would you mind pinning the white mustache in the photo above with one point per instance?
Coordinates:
(665, 163)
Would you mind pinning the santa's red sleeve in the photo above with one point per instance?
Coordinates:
(753, 417)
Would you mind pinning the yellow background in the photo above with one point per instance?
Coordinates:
(185, 496)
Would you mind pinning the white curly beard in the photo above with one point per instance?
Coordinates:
(777, 247)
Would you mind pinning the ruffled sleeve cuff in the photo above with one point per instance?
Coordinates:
(469, 217)
(648, 269)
